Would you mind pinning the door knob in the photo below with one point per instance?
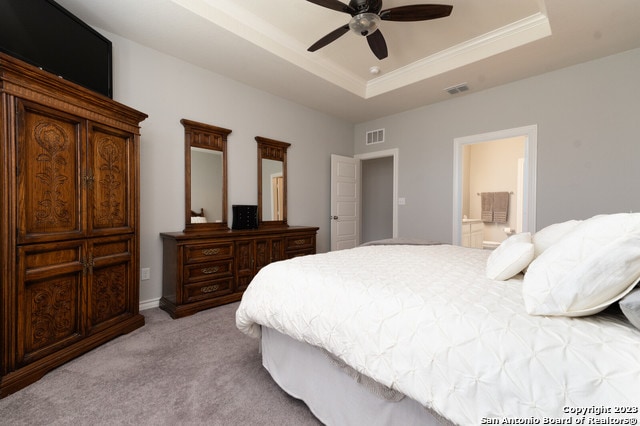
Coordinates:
(333, 217)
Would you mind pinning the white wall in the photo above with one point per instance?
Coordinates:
(588, 143)
(168, 89)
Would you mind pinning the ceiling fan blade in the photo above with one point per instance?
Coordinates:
(335, 5)
(333, 35)
(377, 44)
(416, 12)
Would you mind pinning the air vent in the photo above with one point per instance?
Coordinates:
(457, 88)
(375, 136)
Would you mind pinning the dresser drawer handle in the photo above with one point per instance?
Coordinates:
(210, 288)
(299, 242)
(212, 270)
(210, 252)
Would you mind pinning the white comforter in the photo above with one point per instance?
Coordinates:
(425, 321)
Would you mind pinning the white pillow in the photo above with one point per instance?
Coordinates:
(630, 306)
(546, 237)
(510, 257)
(588, 269)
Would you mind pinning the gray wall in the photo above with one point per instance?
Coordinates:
(377, 199)
(588, 119)
(168, 89)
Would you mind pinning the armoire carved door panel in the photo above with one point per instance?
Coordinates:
(49, 156)
(49, 298)
(110, 280)
(109, 171)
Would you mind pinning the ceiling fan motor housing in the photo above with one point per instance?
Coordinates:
(364, 6)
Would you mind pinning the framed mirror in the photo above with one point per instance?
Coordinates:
(205, 176)
(272, 182)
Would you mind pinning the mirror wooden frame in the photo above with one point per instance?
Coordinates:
(204, 136)
(270, 149)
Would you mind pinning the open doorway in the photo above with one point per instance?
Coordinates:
(492, 167)
(517, 178)
(378, 195)
(377, 199)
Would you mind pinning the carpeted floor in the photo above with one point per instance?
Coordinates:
(197, 370)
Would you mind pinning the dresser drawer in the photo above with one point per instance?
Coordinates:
(208, 270)
(205, 252)
(300, 242)
(208, 289)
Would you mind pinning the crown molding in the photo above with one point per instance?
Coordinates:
(500, 40)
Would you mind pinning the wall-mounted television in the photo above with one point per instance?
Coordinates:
(44, 34)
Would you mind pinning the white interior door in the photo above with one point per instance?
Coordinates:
(345, 193)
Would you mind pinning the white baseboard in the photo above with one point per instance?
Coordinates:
(149, 304)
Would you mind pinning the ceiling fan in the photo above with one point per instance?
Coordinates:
(367, 14)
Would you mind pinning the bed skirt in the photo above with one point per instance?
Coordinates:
(307, 373)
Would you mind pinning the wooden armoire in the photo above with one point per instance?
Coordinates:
(69, 222)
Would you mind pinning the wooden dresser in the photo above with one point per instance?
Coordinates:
(206, 269)
(69, 222)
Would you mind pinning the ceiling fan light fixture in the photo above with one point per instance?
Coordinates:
(364, 23)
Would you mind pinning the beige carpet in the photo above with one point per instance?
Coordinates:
(198, 370)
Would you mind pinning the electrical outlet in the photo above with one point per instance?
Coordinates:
(145, 273)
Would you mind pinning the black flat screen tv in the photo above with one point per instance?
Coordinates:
(44, 34)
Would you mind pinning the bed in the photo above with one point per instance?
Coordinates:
(198, 217)
(441, 334)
